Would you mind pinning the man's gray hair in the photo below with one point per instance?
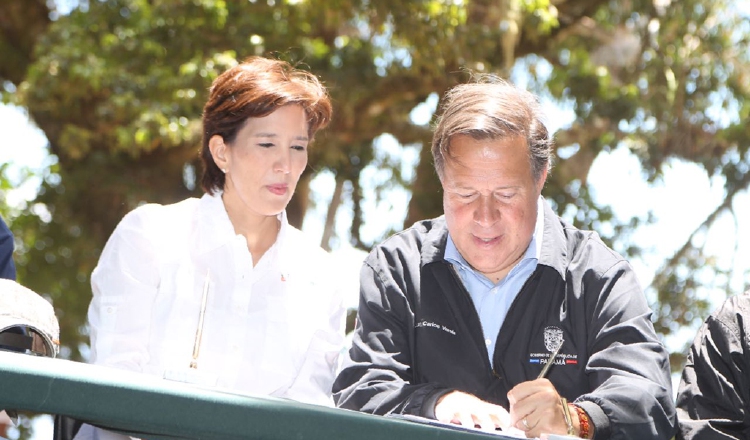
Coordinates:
(489, 107)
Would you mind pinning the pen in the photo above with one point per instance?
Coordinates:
(199, 331)
(550, 361)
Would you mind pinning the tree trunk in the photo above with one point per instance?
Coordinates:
(333, 207)
(295, 211)
(427, 192)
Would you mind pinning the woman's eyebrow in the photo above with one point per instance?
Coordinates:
(273, 135)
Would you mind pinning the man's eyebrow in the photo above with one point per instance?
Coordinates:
(458, 186)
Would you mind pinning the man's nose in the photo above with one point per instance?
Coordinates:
(486, 213)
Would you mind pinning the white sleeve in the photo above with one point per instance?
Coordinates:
(316, 375)
(88, 432)
(124, 285)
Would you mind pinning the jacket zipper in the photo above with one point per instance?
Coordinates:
(513, 306)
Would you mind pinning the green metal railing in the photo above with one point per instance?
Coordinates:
(153, 408)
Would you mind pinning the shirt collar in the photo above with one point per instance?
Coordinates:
(217, 230)
(532, 252)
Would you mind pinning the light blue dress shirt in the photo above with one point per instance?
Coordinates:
(491, 300)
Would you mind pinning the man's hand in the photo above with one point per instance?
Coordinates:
(535, 408)
(468, 410)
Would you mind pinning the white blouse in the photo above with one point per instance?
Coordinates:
(274, 328)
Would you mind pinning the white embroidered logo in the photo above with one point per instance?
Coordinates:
(553, 337)
(424, 323)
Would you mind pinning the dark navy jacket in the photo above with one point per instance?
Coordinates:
(418, 335)
(713, 400)
(7, 267)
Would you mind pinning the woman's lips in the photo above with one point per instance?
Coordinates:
(279, 190)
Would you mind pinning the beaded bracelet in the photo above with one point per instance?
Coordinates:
(584, 422)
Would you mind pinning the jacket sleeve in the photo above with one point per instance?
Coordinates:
(377, 376)
(124, 285)
(712, 400)
(628, 367)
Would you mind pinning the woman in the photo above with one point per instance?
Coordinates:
(222, 291)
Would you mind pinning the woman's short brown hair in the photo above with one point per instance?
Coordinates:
(256, 88)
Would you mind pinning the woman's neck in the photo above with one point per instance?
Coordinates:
(260, 231)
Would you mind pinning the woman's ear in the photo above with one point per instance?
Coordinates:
(219, 152)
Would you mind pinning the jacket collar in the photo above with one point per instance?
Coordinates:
(433, 248)
(554, 251)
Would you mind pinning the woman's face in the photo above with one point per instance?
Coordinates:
(264, 162)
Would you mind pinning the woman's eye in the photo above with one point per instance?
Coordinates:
(298, 147)
(266, 144)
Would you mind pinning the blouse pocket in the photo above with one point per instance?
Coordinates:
(108, 313)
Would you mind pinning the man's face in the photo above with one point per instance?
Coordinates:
(490, 201)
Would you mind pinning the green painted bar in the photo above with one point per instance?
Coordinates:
(154, 408)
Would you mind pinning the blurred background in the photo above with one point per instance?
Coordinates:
(649, 99)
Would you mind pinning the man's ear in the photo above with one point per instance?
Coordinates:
(219, 151)
(542, 179)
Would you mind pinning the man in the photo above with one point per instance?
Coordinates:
(459, 314)
(7, 267)
(713, 400)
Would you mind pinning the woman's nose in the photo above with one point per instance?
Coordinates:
(283, 162)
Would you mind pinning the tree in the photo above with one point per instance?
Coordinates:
(118, 86)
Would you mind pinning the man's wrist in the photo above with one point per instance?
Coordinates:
(431, 401)
(582, 422)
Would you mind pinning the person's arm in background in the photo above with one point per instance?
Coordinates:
(714, 393)
(124, 285)
(7, 266)
(7, 271)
